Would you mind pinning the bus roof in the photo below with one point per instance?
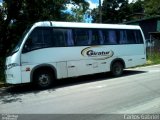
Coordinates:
(84, 25)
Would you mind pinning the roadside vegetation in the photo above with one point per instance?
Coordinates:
(153, 58)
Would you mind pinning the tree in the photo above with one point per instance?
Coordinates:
(123, 12)
(9, 11)
(117, 11)
(137, 7)
(114, 11)
(95, 15)
(136, 10)
(16, 15)
(152, 7)
(78, 11)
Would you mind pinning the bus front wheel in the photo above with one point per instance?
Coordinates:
(43, 79)
(117, 69)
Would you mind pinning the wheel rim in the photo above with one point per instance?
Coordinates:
(44, 80)
(117, 69)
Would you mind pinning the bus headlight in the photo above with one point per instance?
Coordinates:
(12, 65)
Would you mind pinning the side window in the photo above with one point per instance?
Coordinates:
(47, 37)
(101, 37)
(59, 37)
(69, 38)
(123, 37)
(105, 37)
(138, 37)
(43, 37)
(131, 37)
(81, 37)
(95, 37)
(110, 37)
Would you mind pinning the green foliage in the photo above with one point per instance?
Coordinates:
(16, 15)
(153, 57)
(117, 11)
(95, 15)
(113, 11)
(36, 10)
(152, 7)
(137, 7)
(78, 11)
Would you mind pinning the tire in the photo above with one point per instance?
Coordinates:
(117, 69)
(43, 79)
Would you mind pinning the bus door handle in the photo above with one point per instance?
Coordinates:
(103, 62)
(89, 64)
(129, 59)
(71, 66)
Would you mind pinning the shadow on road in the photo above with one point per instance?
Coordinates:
(13, 93)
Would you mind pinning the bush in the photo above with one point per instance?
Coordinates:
(153, 57)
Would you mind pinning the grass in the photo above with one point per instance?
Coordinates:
(153, 58)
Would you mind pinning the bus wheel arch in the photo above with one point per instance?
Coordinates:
(117, 67)
(43, 76)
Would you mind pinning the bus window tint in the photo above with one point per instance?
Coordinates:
(43, 37)
(47, 37)
(69, 38)
(95, 37)
(39, 38)
(59, 37)
(110, 37)
(123, 37)
(138, 37)
(101, 37)
(81, 37)
(131, 37)
(35, 40)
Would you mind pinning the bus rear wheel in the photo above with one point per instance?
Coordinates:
(117, 69)
(43, 79)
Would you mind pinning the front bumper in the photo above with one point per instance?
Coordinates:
(13, 75)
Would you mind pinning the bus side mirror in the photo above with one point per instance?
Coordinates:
(27, 46)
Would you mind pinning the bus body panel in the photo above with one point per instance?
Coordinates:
(61, 68)
(71, 59)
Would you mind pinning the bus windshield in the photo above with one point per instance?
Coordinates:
(16, 48)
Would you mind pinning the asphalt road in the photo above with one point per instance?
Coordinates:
(90, 97)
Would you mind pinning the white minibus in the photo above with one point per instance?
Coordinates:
(52, 50)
